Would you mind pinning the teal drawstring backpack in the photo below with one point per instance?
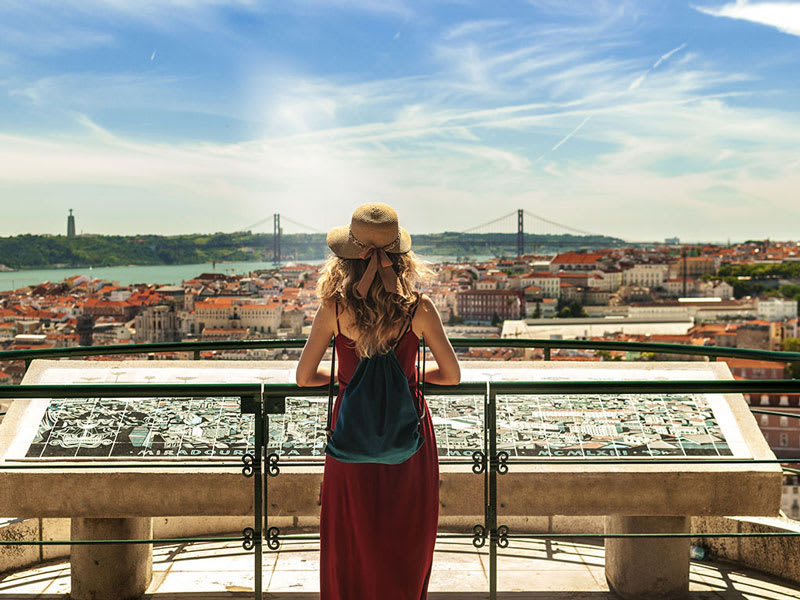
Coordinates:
(378, 420)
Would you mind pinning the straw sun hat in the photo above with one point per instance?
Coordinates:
(373, 231)
(372, 225)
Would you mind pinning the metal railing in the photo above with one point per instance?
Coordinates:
(547, 345)
(263, 400)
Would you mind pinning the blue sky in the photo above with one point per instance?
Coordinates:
(642, 120)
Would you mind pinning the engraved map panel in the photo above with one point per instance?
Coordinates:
(528, 425)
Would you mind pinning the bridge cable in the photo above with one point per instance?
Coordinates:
(492, 222)
(301, 225)
(283, 218)
(562, 226)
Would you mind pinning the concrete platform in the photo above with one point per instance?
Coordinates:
(528, 570)
(632, 497)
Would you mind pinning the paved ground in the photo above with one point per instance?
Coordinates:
(529, 570)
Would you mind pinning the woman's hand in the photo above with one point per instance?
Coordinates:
(309, 372)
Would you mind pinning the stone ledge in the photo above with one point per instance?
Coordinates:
(776, 556)
(779, 557)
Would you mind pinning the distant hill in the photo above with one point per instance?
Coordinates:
(42, 251)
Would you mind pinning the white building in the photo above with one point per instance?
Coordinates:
(157, 324)
(609, 281)
(661, 311)
(646, 275)
(715, 289)
(119, 294)
(701, 309)
(674, 287)
(584, 328)
(776, 309)
(547, 282)
(238, 313)
(486, 283)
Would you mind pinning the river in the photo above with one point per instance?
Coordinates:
(127, 275)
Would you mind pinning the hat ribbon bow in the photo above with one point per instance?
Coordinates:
(379, 262)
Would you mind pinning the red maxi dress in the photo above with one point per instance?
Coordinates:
(378, 522)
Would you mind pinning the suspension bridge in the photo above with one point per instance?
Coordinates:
(521, 230)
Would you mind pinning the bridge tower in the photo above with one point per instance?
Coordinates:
(520, 234)
(276, 239)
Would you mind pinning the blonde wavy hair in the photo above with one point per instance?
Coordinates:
(379, 316)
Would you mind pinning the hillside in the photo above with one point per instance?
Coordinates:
(43, 251)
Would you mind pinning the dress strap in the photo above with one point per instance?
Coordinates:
(414, 307)
(410, 318)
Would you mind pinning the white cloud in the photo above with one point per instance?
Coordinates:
(636, 82)
(784, 16)
(45, 40)
(663, 58)
(570, 134)
(449, 147)
(424, 164)
(724, 154)
(667, 55)
(468, 28)
(392, 8)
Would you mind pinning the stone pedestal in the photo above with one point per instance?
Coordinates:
(111, 571)
(648, 568)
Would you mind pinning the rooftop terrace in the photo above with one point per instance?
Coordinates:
(530, 570)
(645, 507)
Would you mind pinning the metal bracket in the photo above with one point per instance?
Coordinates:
(478, 536)
(273, 470)
(478, 462)
(502, 536)
(500, 462)
(273, 538)
(249, 541)
(248, 468)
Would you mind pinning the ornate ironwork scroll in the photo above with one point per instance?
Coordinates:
(478, 536)
(501, 462)
(273, 538)
(502, 536)
(249, 541)
(248, 468)
(478, 462)
(273, 469)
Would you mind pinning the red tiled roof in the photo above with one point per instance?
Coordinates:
(578, 257)
(743, 363)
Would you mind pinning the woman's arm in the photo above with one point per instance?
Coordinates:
(428, 322)
(309, 372)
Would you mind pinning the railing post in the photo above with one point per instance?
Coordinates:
(196, 355)
(258, 495)
(271, 469)
(547, 352)
(490, 418)
(486, 455)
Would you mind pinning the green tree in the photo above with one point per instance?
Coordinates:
(570, 309)
(793, 345)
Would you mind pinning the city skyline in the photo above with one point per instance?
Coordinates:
(641, 120)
